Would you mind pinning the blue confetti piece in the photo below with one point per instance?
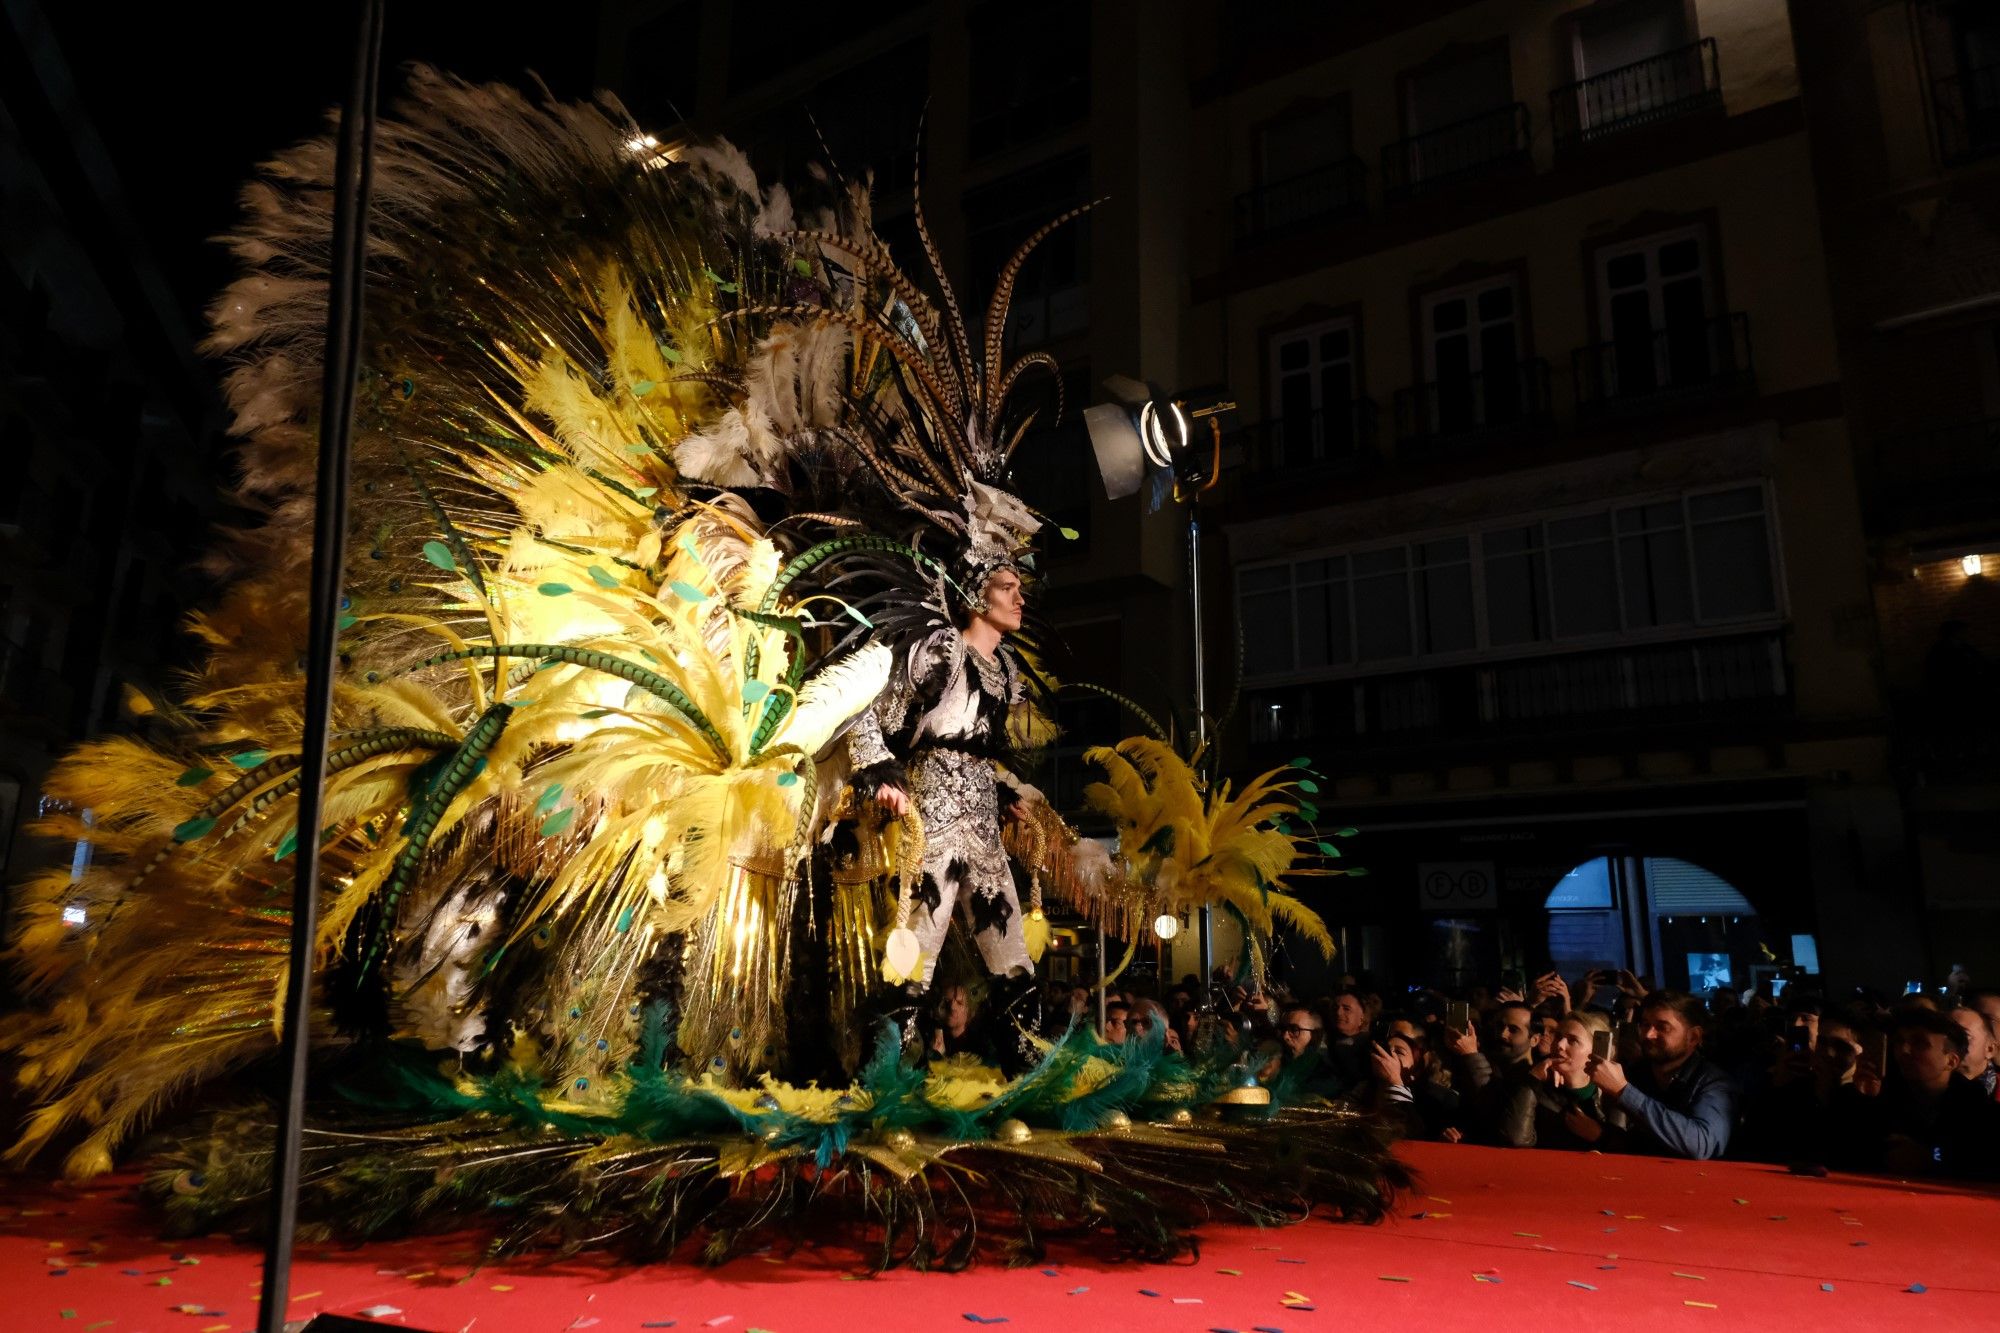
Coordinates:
(1917, 1287)
(1078, 1291)
(1265, 1328)
(1826, 1286)
(1584, 1286)
(1605, 1268)
(1291, 1261)
(1144, 1291)
(1050, 1272)
(1858, 1242)
(985, 1319)
(659, 1323)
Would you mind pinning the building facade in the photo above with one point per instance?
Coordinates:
(1551, 527)
(1546, 541)
(1903, 104)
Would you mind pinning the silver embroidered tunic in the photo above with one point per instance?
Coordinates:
(938, 730)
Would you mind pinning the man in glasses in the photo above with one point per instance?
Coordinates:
(1300, 1071)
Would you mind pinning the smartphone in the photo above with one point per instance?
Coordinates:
(1913, 988)
(1458, 1016)
(1875, 1049)
(1602, 1044)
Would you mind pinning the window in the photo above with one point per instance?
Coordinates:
(1624, 35)
(1460, 91)
(1459, 118)
(1472, 351)
(1052, 292)
(1312, 392)
(1303, 142)
(1680, 562)
(1030, 71)
(1654, 303)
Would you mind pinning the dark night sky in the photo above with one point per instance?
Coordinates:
(190, 98)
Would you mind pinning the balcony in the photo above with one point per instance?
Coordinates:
(1324, 194)
(1471, 408)
(1737, 677)
(1968, 114)
(1291, 450)
(1677, 84)
(1484, 145)
(1693, 360)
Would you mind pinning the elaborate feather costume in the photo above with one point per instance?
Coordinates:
(656, 488)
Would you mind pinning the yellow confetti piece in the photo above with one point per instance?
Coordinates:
(1693, 1277)
(412, 1277)
(1700, 1305)
(307, 1295)
(1434, 1216)
(1435, 1199)
(1387, 1278)
(1531, 1235)
(501, 1286)
(1742, 1201)
(1230, 1272)
(216, 1328)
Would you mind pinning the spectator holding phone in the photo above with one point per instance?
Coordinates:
(1925, 1121)
(1675, 1102)
(1566, 1107)
(1500, 1080)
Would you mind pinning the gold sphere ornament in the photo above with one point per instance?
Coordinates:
(901, 1140)
(1012, 1131)
(1181, 1118)
(1117, 1120)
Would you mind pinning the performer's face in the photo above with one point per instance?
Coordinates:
(1004, 601)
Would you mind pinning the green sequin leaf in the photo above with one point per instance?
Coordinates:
(624, 921)
(440, 555)
(193, 829)
(601, 577)
(558, 821)
(1308, 785)
(549, 799)
(753, 690)
(642, 388)
(788, 779)
(672, 354)
(802, 267)
(249, 759)
(1069, 534)
(687, 592)
(194, 777)
(555, 589)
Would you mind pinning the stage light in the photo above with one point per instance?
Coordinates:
(1166, 925)
(1974, 565)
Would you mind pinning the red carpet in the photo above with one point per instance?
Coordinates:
(1490, 1240)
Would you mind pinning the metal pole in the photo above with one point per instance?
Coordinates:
(339, 371)
(1207, 915)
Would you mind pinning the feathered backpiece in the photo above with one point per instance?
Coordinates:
(587, 686)
(1188, 847)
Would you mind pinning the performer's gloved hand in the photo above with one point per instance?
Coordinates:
(893, 799)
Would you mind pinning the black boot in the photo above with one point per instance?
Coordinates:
(1015, 1008)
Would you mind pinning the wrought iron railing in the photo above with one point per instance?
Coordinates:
(1288, 449)
(1646, 92)
(1504, 398)
(1701, 357)
(1321, 195)
(1478, 146)
(1711, 679)
(1968, 114)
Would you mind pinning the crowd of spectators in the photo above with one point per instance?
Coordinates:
(1868, 1083)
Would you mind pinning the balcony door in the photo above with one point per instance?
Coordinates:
(1313, 388)
(1633, 43)
(1656, 299)
(1472, 355)
(1459, 115)
(1300, 159)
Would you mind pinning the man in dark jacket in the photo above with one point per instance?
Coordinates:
(1676, 1103)
(1927, 1120)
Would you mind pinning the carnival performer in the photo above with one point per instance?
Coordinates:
(936, 740)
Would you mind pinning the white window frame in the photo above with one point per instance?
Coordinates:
(1470, 294)
(1311, 334)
